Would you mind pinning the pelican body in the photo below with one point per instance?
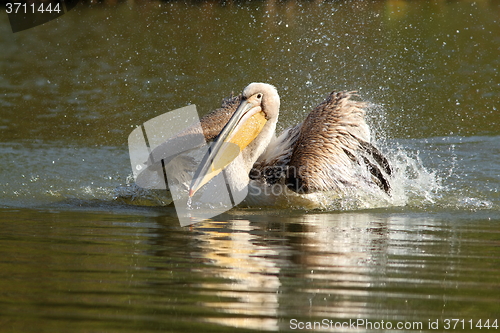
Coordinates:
(327, 155)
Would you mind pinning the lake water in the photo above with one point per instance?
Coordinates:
(75, 259)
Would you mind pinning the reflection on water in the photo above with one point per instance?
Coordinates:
(138, 270)
(250, 269)
(336, 267)
(327, 254)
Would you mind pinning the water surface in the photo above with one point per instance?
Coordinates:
(75, 259)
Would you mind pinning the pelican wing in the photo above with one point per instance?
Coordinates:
(334, 147)
(213, 123)
(330, 150)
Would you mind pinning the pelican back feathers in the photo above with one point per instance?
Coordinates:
(213, 122)
(329, 151)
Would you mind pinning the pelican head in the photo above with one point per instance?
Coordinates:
(249, 130)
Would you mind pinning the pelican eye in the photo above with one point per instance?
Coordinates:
(259, 96)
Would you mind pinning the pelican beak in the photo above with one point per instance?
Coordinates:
(243, 127)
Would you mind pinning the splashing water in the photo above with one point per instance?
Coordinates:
(439, 172)
(411, 184)
(428, 173)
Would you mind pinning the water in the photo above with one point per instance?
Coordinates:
(75, 259)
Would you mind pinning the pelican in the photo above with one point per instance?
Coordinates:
(327, 155)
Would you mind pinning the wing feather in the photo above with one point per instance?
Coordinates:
(330, 150)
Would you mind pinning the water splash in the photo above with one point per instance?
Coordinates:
(412, 185)
(428, 174)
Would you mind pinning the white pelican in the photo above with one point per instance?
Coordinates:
(323, 157)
